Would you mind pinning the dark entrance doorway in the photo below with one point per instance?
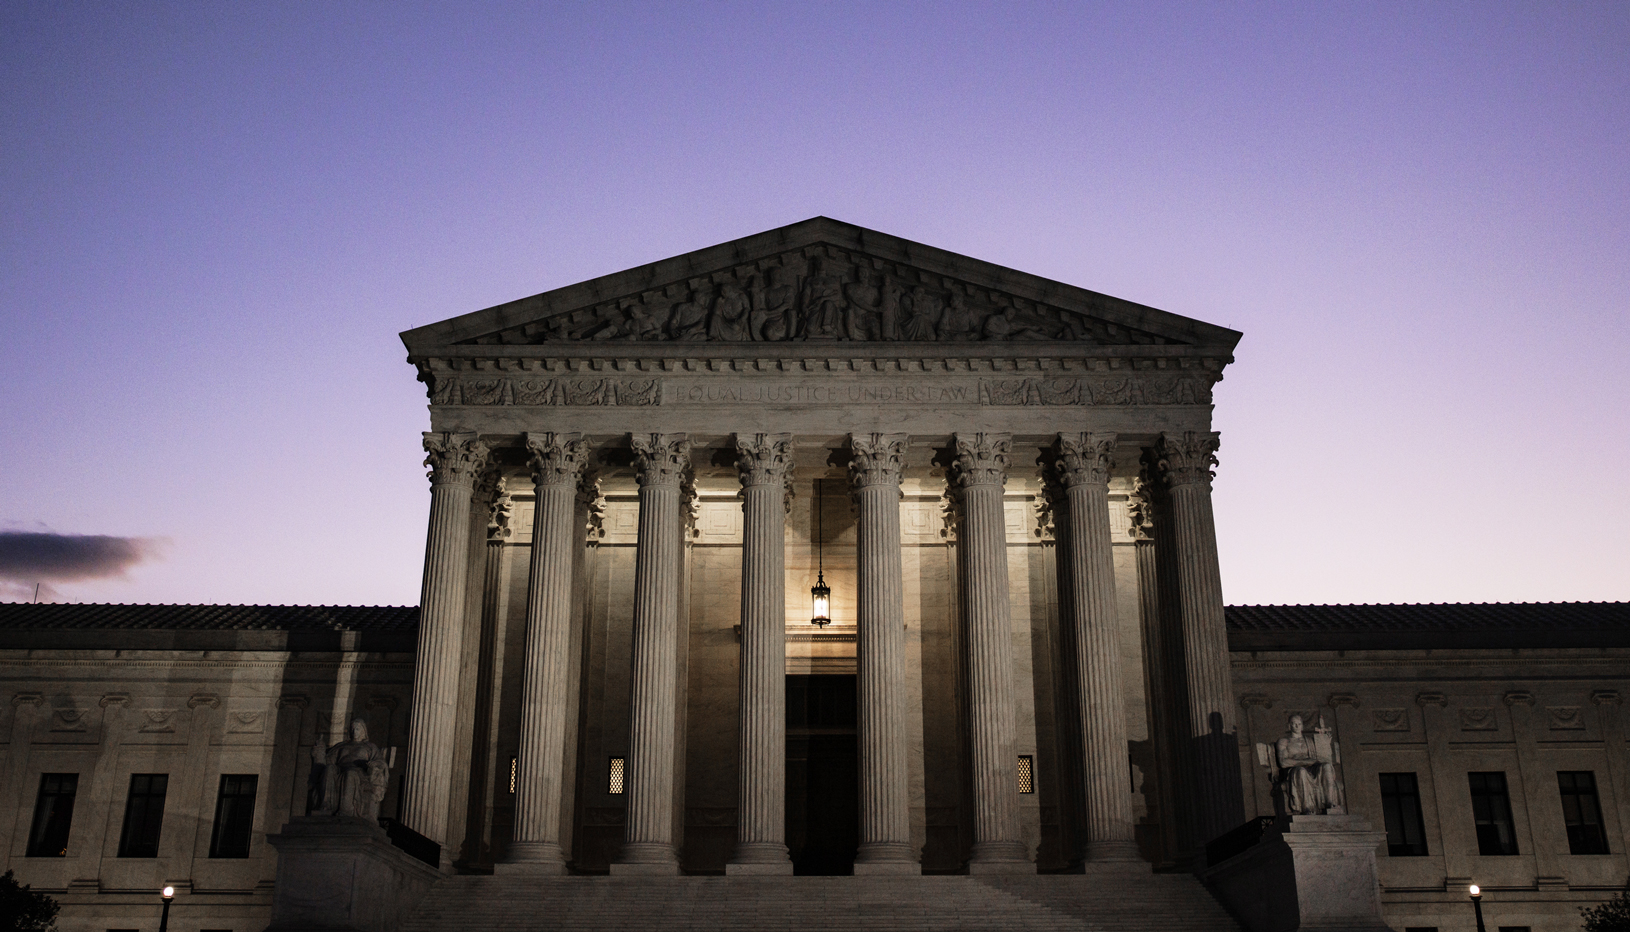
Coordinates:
(823, 775)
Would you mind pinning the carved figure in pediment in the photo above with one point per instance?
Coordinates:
(862, 316)
(773, 318)
(823, 304)
(643, 323)
(892, 294)
(689, 319)
(730, 316)
(958, 322)
(923, 319)
(1007, 325)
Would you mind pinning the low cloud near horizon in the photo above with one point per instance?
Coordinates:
(38, 558)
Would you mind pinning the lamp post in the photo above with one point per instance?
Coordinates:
(1477, 905)
(166, 895)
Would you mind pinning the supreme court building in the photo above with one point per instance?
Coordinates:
(1023, 666)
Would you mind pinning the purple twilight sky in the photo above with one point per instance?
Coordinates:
(217, 217)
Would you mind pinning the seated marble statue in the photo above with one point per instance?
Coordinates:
(1303, 769)
(354, 774)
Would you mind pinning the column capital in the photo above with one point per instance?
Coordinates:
(982, 459)
(661, 459)
(1084, 458)
(1186, 458)
(878, 459)
(764, 459)
(455, 458)
(556, 459)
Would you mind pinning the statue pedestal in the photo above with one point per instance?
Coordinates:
(344, 874)
(1307, 873)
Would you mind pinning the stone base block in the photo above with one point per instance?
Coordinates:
(344, 874)
(531, 868)
(759, 868)
(1307, 874)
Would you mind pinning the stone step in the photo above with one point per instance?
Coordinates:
(1118, 900)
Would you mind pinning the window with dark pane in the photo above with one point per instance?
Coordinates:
(1401, 807)
(1491, 809)
(53, 813)
(1582, 811)
(144, 815)
(234, 816)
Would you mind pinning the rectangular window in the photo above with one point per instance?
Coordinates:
(1582, 810)
(1401, 806)
(144, 815)
(615, 784)
(1027, 774)
(1515, 929)
(53, 813)
(1491, 809)
(513, 773)
(1420, 929)
(234, 816)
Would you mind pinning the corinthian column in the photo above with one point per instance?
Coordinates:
(885, 817)
(765, 465)
(1083, 465)
(455, 461)
(1185, 460)
(981, 472)
(557, 462)
(661, 461)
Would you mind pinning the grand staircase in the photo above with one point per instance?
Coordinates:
(1110, 899)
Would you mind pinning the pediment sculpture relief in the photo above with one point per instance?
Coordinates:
(821, 294)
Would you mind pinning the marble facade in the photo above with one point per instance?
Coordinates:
(632, 481)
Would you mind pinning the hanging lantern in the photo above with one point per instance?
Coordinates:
(820, 594)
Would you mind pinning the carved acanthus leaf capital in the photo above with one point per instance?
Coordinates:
(1186, 458)
(879, 459)
(661, 459)
(455, 458)
(556, 459)
(982, 459)
(764, 459)
(1085, 458)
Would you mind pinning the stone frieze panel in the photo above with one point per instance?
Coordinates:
(1111, 390)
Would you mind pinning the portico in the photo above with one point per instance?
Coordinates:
(990, 447)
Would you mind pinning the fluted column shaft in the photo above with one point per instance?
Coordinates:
(1185, 460)
(557, 462)
(648, 842)
(1084, 462)
(765, 464)
(455, 461)
(981, 473)
(885, 816)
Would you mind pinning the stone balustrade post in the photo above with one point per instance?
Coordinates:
(456, 460)
(765, 464)
(981, 473)
(557, 462)
(662, 462)
(885, 816)
(1083, 464)
(1185, 460)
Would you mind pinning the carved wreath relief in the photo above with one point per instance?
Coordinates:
(821, 293)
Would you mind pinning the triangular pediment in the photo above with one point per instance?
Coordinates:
(819, 281)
